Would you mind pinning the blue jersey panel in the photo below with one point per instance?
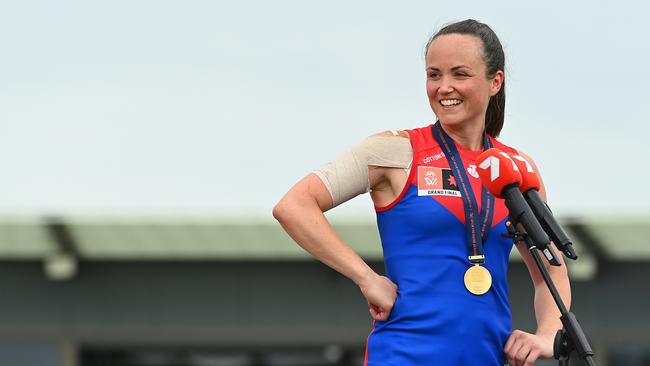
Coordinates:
(436, 320)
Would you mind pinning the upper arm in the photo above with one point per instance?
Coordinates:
(347, 176)
(378, 175)
(309, 189)
(364, 166)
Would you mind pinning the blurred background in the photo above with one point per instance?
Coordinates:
(144, 144)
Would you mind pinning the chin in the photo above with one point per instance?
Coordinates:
(457, 119)
(451, 120)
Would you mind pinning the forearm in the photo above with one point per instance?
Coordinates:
(307, 225)
(546, 310)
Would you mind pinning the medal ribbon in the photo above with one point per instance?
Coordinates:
(477, 225)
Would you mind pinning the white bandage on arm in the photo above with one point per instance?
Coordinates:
(347, 176)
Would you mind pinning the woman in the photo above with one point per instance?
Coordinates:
(428, 199)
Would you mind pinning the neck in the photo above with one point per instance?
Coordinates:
(470, 137)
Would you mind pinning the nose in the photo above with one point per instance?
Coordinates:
(445, 86)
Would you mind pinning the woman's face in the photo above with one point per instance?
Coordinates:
(457, 85)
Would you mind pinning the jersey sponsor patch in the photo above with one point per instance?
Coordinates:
(434, 181)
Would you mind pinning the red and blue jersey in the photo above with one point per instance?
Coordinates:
(435, 319)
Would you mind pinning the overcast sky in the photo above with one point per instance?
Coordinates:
(131, 107)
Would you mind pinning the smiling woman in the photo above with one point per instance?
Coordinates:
(429, 203)
(465, 77)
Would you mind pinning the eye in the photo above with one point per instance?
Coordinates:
(462, 74)
(433, 75)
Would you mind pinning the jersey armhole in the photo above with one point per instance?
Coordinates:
(409, 178)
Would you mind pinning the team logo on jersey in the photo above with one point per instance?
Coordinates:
(434, 181)
(471, 169)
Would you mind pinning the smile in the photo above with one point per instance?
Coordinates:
(450, 102)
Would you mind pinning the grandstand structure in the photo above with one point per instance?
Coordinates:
(94, 291)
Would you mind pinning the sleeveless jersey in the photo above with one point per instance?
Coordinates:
(435, 319)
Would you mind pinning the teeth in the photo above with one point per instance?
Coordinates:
(448, 102)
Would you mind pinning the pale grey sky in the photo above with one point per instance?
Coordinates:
(219, 107)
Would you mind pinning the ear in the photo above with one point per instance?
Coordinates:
(496, 82)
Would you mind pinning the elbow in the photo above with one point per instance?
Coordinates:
(291, 207)
(294, 205)
(281, 210)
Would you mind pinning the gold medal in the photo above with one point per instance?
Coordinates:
(478, 280)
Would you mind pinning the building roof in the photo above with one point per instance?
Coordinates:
(219, 239)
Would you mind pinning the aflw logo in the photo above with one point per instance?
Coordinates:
(434, 181)
(431, 181)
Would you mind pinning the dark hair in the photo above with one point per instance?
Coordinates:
(494, 58)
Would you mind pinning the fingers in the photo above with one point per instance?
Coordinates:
(380, 294)
(523, 349)
(522, 355)
(514, 355)
(393, 284)
(381, 316)
(512, 347)
(532, 357)
(378, 314)
(510, 342)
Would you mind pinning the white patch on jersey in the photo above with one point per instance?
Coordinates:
(471, 169)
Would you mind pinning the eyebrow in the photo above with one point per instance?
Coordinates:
(455, 68)
(460, 67)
